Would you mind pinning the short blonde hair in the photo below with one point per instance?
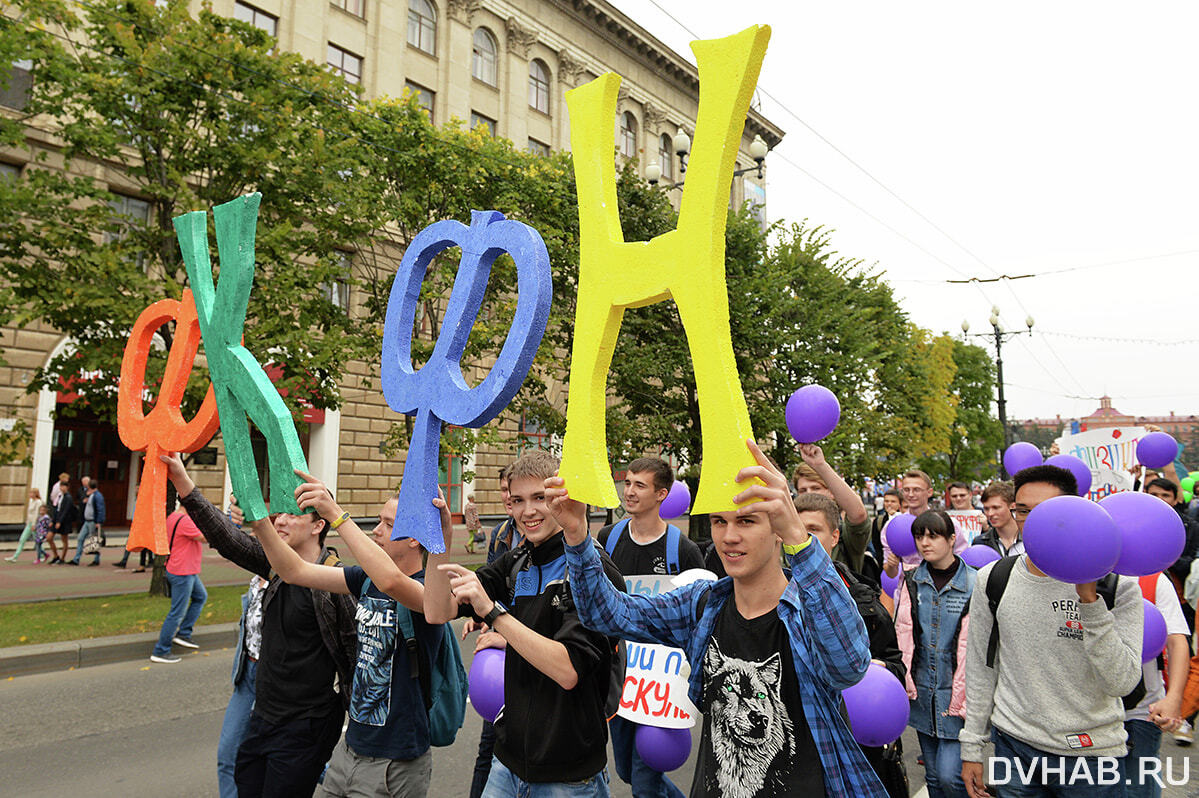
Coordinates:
(805, 471)
(537, 463)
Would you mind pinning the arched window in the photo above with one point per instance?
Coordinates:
(422, 25)
(628, 135)
(482, 62)
(539, 86)
(666, 157)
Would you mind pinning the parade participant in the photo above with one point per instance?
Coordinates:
(385, 751)
(769, 654)
(932, 623)
(1026, 631)
(959, 496)
(917, 488)
(308, 638)
(643, 545)
(892, 506)
(815, 475)
(821, 517)
(551, 734)
(1003, 534)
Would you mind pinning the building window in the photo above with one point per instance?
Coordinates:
(9, 173)
(422, 26)
(256, 17)
(539, 86)
(628, 135)
(131, 212)
(424, 97)
(666, 156)
(449, 479)
(338, 291)
(532, 435)
(538, 148)
(355, 7)
(483, 57)
(479, 121)
(20, 84)
(348, 65)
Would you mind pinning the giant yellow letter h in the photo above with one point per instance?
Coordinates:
(686, 264)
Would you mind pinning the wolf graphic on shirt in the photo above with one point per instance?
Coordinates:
(749, 725)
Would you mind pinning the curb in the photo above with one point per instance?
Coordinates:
(71, 654)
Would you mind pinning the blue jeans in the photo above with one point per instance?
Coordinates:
(87, 530)
(187, 600)
(483, 760)
(942, 766)
(233, 730)
(1144, 742)
(503, 783)
(632, 770)
(1020, 771)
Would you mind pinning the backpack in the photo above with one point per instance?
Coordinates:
(446, 701)
(520, 562)
(673, 534)
(1001, 572)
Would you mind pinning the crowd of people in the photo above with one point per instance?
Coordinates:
(48, 524)
(1016, 681)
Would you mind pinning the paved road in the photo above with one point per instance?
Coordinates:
(136, 729)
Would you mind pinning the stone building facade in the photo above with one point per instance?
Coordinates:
(503, 64)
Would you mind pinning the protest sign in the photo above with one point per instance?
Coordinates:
(1108, 452)
(655, 681)
(969, 522)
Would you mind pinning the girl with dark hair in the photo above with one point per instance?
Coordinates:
(931, 622)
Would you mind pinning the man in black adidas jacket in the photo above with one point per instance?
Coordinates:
(558, 675)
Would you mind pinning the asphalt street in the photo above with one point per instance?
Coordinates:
(137, 729)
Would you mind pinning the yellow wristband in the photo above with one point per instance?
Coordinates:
(341, 519)
(791, 549)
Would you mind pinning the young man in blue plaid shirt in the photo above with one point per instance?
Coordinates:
(768, 666)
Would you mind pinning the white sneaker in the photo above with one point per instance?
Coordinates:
(169, 659)
(185, 642)
(1185, 735)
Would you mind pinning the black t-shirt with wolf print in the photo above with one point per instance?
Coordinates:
(756, 741)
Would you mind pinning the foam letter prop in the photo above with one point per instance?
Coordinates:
(242, 387)
(164, 429)
(437, 393)
(686, 264)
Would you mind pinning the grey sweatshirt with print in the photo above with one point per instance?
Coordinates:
(1061, 668)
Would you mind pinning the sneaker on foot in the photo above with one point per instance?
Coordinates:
(186, 642)
(93, 564)
(118, 565)
(1185, 734)
(166, 659)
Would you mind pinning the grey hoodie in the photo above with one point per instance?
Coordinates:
(1061, 668)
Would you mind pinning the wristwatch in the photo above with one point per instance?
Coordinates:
(497, 610)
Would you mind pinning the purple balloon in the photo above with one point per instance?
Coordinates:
(663, 750)
(890, 583)
(1156, 450)
(1072, 539)
(1080, 470)
(878, 707)
(812, 413)
(979, 555)
(1020, 456)
(1152, 535)
(1153, 638)
(487, 683)
(899, 535)
(677, 502)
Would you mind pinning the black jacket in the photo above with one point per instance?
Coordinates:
(64, 514)
(1182, 566)
(990, 537)
(880, 628)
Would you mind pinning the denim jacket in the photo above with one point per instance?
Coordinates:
(936, 681)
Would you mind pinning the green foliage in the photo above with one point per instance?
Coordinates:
(974, 434)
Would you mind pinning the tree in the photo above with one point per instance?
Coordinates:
(974, 434)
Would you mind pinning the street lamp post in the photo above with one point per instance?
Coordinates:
(1000, 335)
(682, 147)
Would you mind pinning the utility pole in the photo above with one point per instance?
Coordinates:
(1000, 336)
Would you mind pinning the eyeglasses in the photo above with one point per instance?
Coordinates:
(1021, 512)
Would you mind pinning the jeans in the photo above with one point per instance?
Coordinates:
(1144, 743)
(87, 530)
(233, 730)
(1022, 771)
(503, 783)
(187, 600)
(632, 770)
(483, 760)
(942, 766)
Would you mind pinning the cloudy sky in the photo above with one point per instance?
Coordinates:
(946, 140)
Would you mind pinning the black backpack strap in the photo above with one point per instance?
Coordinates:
(910, 584)
(519, 560)
(701, 604)
(1001, 572)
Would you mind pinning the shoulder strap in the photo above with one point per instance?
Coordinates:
(519, 559)
(701, 603)
(1001, 572)
(673, 534)
(1107, 589)
(613, 536)
(171, 543)
(913, 604)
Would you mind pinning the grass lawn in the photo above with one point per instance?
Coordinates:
(101, 616)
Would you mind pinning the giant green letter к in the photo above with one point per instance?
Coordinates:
(242, 387)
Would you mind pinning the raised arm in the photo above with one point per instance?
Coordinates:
(846, 497)
(294, 569)
(439, 603)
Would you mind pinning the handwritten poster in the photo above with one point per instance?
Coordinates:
(1109, 452)
(969, 523)
(655, 680)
